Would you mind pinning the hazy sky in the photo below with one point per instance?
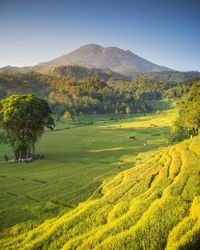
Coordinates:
(166, 32)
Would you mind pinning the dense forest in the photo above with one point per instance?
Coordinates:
(91, 95)
(188, 122)
(78, 72)
(76, 89)
(25, 83)
(152, 89)
(169, 76)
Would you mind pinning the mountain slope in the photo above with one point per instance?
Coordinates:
(170, 76)
(154, 205)
(80, 72)
(116, 59)
(95, 56)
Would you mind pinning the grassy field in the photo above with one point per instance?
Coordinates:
(79, 156)
(153, 205)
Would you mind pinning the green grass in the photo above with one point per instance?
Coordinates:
(96, 189)
(79, 156)
(153, 205)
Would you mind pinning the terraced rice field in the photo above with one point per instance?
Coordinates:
(153, 205)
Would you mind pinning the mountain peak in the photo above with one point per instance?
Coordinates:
(91, 45)
(96, 56)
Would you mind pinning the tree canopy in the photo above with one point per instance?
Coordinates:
(77, 89)
(188, 122)
(24, 118)
(91, 95)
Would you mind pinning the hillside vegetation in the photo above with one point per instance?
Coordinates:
(78, 90)
(188, 122)
(88, 95)
(154, 205)
(78, 72)
(170, 76)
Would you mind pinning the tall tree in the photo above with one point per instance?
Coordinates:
(24, 118)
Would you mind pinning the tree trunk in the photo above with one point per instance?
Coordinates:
(33, 147)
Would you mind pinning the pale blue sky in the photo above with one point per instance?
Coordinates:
(165, 32)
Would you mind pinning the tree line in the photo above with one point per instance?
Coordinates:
(89, 93)
(188, 122)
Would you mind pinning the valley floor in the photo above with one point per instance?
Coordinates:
(79, 156)
(153, 203)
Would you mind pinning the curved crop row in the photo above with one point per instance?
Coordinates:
(154, 205)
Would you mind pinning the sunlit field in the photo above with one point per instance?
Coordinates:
(79, 156)
(99, 125)
(153, 205)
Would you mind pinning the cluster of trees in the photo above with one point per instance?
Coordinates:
(91, 95)
(77, 89)
(150, 89)
(23, 119)
(169, 76)
(63, 92)
(75, 72)
(188, 122)
(25, 83)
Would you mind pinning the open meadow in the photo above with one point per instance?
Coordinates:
(78, 156)
(152, 205)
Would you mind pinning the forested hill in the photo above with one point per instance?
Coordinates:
(79, 72)
(74, 72)
(87, 95)
(80, 90)
(25, 83)
(169, 76)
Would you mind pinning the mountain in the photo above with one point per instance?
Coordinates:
(116, 59)
(95, 56)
